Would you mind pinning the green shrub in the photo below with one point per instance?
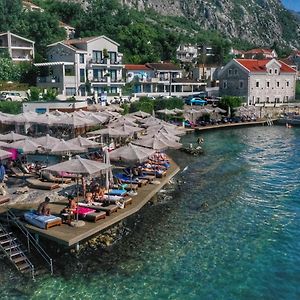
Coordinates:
(11, 107)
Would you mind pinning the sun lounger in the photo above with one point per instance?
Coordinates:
(116, 192)
(84, 211)
(38, 184)
(109, 209)
(51, 178)
(44, 222)
(96, 216)
(16, 172)
(115, 199)
(4, 199)
(99, 207)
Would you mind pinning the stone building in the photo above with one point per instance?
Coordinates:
(258, 81)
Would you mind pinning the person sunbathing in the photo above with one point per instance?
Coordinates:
(99, 194)
(71, 207)
(89, 198)
(43, 208)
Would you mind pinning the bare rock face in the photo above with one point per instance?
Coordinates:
(261, 22)
(257, 21)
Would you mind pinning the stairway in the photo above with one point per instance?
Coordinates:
(11, 248)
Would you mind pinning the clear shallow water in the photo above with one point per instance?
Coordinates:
(246, 245)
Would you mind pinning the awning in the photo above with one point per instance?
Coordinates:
(55, 63)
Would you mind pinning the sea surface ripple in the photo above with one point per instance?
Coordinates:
(244, 244)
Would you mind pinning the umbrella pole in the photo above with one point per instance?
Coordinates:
(77, 197)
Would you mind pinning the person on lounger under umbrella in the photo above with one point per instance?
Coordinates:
(43, 208)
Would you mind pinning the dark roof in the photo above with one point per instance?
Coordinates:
(163, 66)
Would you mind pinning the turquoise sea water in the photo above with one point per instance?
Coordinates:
(245, 245)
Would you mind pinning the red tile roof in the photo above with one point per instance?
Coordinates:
(259, 65)
(136, 67)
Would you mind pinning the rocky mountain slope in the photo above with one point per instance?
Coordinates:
(260, 22)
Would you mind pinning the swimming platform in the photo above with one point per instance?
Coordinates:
(68, 236)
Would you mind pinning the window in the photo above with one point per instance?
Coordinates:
(268, 84)
(97, 56)
(69, 71)
(81, 58)
(276, 71)
(287, 83)
(241, 84)
(270, 71)
(113, 90)
(113, 75)
(257, 100)
(278, 84)
(267, 99)
(70, 91)
(82, 75)
(230, 72)
(235, 71)
(225, 84)
(112, 56)
(257, 84)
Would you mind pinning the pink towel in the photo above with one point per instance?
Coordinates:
(83, 211)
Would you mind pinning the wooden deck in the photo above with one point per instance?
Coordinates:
(70, 236)
(230, 125)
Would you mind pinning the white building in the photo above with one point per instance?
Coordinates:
(81, 67)
(259, 82)
(19, 48)
(161, 79)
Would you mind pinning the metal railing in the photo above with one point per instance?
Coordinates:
(13, 245)
(11, 217)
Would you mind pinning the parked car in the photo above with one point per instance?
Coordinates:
(11, 96)
(195, 101)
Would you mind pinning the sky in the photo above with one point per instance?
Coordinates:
(292, 4)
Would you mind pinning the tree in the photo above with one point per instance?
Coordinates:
(230, 102)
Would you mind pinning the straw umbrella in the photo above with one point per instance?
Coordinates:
(80, 166)
(27, 146)
(112, 132)
(84, 142)
(5, 154)
(131, 153)
(157, 143)
(140, 114)
(66, 147)
(12, 136)
(47, 141)
(166, 112)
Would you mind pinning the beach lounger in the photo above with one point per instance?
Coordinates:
(115, 192)
(114, 199)
(44, 222)
(94, 217)
(51, 178)
(16, 172)
(109, 209)
(83, 211)
(38, 184)
(127, 179)
(99, 207)
(4, 199)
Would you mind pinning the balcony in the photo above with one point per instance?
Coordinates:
(105, 62)
(48, 79)
(100, 80)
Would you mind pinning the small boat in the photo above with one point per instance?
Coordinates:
(194, 150)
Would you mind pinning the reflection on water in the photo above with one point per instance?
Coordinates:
(244, 245)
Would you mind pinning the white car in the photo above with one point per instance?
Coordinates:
(11, 96)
